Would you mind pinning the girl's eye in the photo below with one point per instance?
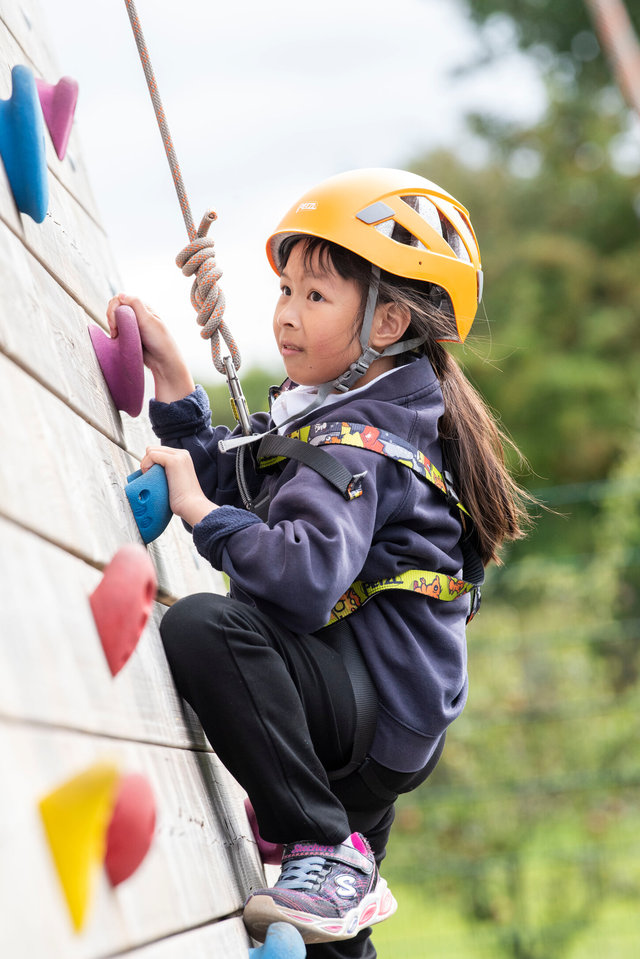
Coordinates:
(285, 290)
(315, 297)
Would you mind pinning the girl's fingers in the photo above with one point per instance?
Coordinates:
(165, 456)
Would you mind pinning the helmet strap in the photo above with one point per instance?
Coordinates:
(369, 354)
(346, 380)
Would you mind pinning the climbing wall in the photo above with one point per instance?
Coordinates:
(65, 455)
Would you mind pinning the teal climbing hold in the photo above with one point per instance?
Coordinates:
(22, 145)
(283, 941)
(148, 495)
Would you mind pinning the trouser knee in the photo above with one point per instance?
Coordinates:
(186, 628)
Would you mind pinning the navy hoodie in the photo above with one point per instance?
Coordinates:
(315, 543)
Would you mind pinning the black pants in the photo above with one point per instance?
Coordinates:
(278, 709)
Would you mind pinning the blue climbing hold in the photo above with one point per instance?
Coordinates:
(22, 145)
(283, 942)
(148, 495)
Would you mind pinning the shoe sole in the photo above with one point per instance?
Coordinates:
(377, 906)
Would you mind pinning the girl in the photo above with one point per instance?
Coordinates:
(327, 680)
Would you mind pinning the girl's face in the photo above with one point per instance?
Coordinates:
(314, 320)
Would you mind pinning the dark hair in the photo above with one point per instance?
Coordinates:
(473, 445)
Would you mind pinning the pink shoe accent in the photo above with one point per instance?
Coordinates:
(358, 844)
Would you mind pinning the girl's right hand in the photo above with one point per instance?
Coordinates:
(160, 352)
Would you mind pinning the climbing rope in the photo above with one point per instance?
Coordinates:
(617, 36)
(197, 258)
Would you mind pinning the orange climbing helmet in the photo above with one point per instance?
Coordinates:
(399, 222)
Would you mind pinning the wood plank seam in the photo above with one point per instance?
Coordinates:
(174, 935)
(87, 418)
(198, 749)
(51, 271)
(163, 597)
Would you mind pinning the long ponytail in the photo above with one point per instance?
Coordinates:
(473, 444)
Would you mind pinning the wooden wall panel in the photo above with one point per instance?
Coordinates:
(189, 877)
(222, 939)
(52, 666)
(65, 481)
(47, 334)
(66, 453)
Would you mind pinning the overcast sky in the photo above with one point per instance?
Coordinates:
(263, 99)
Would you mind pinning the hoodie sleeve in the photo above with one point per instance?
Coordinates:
(186, 424)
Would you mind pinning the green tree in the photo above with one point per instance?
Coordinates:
(528, 829)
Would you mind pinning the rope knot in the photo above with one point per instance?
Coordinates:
(197, 259)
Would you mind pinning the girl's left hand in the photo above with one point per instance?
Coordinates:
(185, 493)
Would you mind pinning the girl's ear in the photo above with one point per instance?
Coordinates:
(389, 325)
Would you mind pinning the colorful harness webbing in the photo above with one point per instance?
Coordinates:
(425, 582)
(436, 585)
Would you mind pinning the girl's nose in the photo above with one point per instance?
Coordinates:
(287, 313)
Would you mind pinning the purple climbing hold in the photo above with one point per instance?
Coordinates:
(58, 107)
(22, 145)
(120, 360)
(148, 495)
(283, 941)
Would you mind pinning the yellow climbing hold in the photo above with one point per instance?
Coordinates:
(76, 817)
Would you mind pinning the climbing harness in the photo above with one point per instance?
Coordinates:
(304, 446)
(197, 258)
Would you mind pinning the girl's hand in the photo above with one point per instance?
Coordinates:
(159, 350)
(185, 493)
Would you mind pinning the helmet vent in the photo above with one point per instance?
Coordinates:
(400, 234)
(434, 218)
(454, 239)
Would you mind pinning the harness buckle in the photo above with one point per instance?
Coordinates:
(476, 599)
(354, 488)
(450, 494)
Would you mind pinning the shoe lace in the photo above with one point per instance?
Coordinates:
(305, 873)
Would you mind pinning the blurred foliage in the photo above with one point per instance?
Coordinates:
(559, 355)
(558, 33)
(529, 826)
(524, 842)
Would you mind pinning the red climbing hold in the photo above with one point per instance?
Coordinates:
(131, 828)
(122, 602)
(270, 852)
(58, 106)
(120, 360)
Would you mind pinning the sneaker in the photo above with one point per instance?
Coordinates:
(326, 892)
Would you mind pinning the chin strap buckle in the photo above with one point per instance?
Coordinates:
(346, 380)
